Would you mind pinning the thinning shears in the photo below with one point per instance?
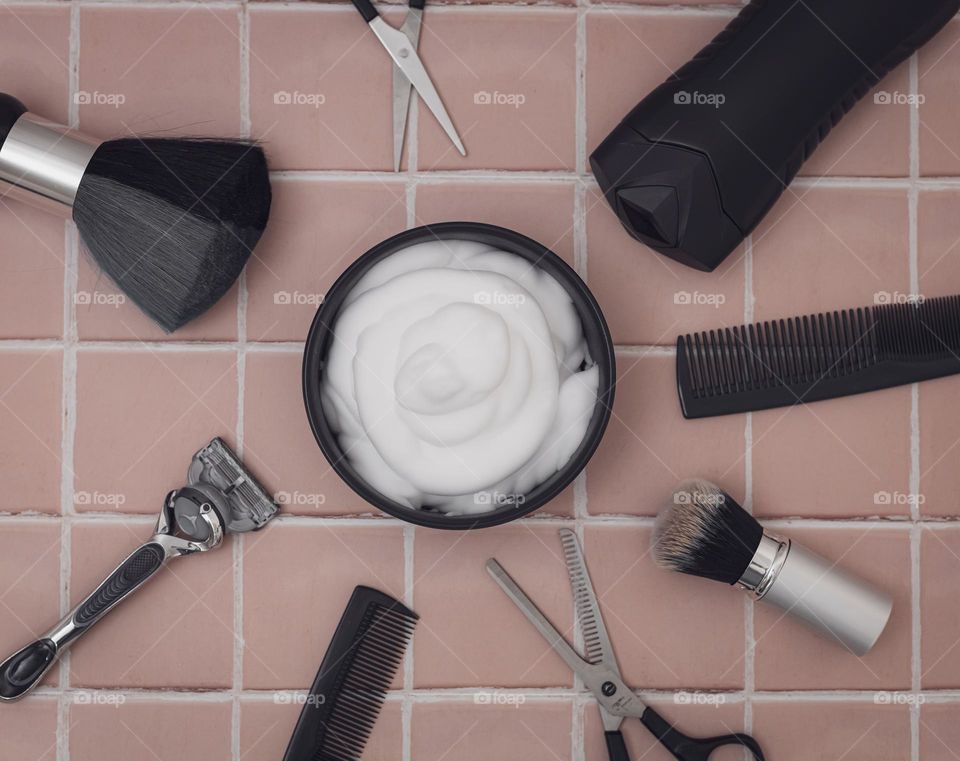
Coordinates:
(408, 72)
(599, 670)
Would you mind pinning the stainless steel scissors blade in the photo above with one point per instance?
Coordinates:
(402, 88)
(595, 638)
(406, 58)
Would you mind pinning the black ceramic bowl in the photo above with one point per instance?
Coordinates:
(599, 342)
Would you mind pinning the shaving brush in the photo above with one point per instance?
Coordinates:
(171, 221)
(704, 532)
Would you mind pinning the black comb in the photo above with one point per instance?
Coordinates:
(351, 685)
(823, 356)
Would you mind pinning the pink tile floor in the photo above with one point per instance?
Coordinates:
(99, 412)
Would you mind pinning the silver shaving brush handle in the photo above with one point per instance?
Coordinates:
(826, 597)
(43, 163)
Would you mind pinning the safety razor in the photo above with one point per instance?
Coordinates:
(221, 497)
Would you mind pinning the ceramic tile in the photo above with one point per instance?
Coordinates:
(667, 648)
(316, 231)
(135, 79)
(141, 416)
(320, 89)
(821, 249)
(29, 730)
(279, 445)
(472, 633)
(940, 644)
(540, 210)
(939, 441)
(835, 458)
(30, 430)
(162, 729)
(649, 448)
(853, 731)
(318, 568)
(513, 110)
(939, 731)
(476, 730)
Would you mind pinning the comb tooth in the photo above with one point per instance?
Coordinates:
(858, 339)
(713, 363)
(776, 345)
(753, 352)
(794, 365)
(743, 369)
(696, 364)
(727, 367)
(694, 361)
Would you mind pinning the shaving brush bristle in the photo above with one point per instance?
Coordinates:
(173, 221)
(703, 531)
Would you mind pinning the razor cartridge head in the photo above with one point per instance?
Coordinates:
(241, 500)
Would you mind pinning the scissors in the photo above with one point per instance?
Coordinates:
(599, 670)
(408, 72)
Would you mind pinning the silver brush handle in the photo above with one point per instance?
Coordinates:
(819, 592)
(43, 163)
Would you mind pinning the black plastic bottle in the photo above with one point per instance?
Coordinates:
(697, 164)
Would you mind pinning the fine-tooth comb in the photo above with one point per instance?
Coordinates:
(354, 677)
(814, 357)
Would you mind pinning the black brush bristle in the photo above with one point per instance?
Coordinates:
(354, 678)
(814, 357)
(704, 532)
(173, 221)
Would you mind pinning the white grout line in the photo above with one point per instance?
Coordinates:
(238, 545)
(406, 717)
(749, 632)
(914, 485)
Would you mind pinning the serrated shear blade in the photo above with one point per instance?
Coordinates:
(406, 59)
(596, 641)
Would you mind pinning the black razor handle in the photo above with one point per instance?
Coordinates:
(697, 164)
(23, 670)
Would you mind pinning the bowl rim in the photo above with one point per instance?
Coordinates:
(320, 335)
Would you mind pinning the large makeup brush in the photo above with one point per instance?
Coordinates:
(704, 532)
(171, 221)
